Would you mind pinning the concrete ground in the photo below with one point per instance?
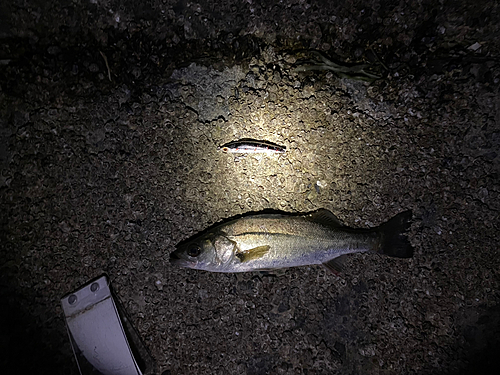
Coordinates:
(110, 118)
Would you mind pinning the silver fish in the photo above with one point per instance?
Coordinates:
(272, 241)
(252, 146)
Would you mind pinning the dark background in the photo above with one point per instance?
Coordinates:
(110, 117)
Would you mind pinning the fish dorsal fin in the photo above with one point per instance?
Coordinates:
(251, 254)
(336, 265)
(325, 217)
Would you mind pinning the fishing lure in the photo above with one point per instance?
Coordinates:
(252, 146)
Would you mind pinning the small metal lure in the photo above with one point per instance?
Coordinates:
(252, 146)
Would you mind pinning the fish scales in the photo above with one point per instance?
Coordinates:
(295, 241)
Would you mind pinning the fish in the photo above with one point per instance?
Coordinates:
(252, 146)
(269, 241)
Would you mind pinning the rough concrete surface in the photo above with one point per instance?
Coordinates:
(111, 113)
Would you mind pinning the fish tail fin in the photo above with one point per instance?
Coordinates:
(392, 240)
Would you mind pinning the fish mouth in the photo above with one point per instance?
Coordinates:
(181, 262)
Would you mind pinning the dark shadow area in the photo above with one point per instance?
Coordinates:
(483, 342)
(26, 346)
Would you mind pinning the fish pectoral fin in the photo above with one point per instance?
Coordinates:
(336, 265)
(254, 253)
(325, 217)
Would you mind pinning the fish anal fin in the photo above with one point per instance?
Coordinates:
(336, 265)
(254, 253)
(325, 217)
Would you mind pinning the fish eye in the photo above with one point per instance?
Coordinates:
(193, 250)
